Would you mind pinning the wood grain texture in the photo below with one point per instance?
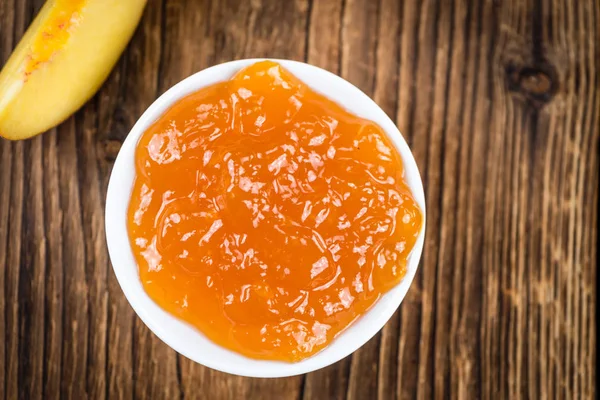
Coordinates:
(500, 102)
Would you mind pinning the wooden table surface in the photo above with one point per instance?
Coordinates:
(500, 102)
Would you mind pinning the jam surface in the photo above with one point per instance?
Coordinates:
(267, 216)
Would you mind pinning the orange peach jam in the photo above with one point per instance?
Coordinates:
(55, 32)
(267, 216)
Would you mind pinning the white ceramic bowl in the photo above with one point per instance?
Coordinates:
(184, 338)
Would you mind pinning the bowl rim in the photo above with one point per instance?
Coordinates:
(172, 330)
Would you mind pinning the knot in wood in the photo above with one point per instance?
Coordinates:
(537, 84)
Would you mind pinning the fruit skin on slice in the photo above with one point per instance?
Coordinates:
(41, 86)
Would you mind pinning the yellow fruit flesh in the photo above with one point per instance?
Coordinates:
(64, 15)
(61, 61)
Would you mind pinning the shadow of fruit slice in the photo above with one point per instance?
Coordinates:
(61, 61)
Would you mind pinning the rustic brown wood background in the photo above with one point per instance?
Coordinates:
(500, 102)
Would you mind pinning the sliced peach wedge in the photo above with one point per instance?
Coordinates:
(61, 61)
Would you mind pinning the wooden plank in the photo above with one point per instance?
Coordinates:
(186, 23)
(75, 306)
(13, 226)
(113, 124)
(227, 31)
(219, 32)
(571, 116)
(149, 367)
(32, 272)
(32, 276)
(540, 295)
(324, 41)
(138, 363)
(53, 326)
(501, 104)
(96, 257)
(417, 68)
(449, 63)
(360, 36)
(385, 94)
(410, 313)
(7, 18)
